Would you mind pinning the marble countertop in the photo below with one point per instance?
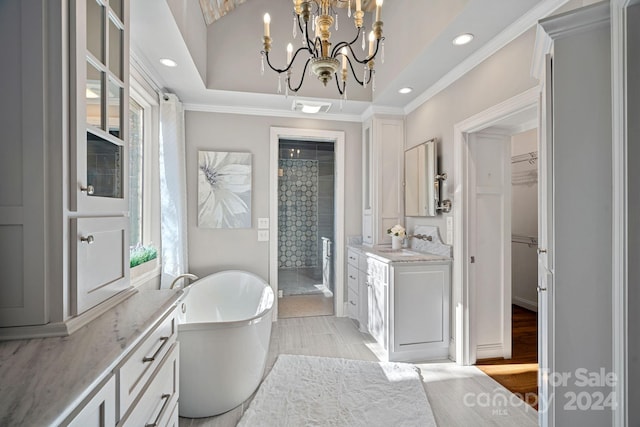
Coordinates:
(43, 379)
(386, 254)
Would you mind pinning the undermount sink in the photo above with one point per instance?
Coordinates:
(400, 252)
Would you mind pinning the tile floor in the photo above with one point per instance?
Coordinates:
(459, 395)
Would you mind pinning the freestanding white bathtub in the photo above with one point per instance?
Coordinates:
(224, 334)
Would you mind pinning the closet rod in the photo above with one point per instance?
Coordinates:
(527, 157)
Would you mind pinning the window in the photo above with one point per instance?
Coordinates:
(143, 226)
(136, 173)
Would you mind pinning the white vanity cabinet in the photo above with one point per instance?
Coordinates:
(419, 304)
(358, 291)
(408, 308)
(64, 202)
(382, 179)
(143, 389)
(99, 410)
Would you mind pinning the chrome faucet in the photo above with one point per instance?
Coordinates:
(422, 237)
(183, 276)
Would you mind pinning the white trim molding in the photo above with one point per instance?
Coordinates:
(338, 137)
(619, 254)
(267, 112)
(577, 21)
(460, 288)
(513, 31)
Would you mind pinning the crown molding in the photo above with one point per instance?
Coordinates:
(577, 21)
(265, 112)
(542, 47)
(513, 31)
(375, 110)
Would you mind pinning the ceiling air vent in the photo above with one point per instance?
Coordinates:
(310, 107)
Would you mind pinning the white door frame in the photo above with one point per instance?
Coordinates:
(619, 254)
(461, 291)
(337, 137)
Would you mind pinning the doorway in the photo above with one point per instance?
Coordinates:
(519, 372)
(472, 245)
(334, 275)
(306, 194)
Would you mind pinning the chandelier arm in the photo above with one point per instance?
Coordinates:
(344, 85)
(304, 73)
(283, 70)
(345, 44)
(369, 58)
(353, 71)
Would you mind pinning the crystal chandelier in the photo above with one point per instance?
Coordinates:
(314, 20)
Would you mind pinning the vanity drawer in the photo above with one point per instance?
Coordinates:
(352, 278)
(156, 404)
(135, 371)
(353, 257)
(352, 305)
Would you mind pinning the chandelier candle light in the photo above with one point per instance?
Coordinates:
(322, 57)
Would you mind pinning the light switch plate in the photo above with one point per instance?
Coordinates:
(263, 223)
(449, 230)
(263, 235)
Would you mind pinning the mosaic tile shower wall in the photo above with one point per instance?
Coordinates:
(298, 213)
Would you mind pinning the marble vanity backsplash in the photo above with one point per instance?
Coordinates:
(435, 246)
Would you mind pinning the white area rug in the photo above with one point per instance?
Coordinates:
(319, 391)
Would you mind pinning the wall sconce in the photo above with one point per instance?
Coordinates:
(443, 203)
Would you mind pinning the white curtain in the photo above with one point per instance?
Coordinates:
(173, 189)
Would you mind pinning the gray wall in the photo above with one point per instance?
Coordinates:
(212, 250)
(583, 218)
(502, 76)
(633, 194)
(193, 28)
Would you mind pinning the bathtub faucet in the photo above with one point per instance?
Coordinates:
(183, 276)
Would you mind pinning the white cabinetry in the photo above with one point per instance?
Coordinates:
(144, 385)
(358, 292)
(408, 308)
(64, 248)
(383, 171)
(100, 408)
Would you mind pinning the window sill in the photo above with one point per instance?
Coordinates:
(144, 272)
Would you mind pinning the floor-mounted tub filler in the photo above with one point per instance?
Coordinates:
(224, 334)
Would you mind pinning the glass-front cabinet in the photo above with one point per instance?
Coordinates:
(99, 99)
(99, 152)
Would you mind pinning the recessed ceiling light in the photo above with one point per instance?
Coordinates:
(168, 62)
(406, 90)
(463, 39)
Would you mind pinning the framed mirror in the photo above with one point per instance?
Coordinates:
(420, 168)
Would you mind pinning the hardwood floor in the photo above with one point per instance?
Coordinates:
(459, 395)
(520, 373)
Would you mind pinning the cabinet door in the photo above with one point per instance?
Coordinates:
(100, 410)
(100, 260)
(377, 304)
(99, 51)
(367, 229)
(420, 305)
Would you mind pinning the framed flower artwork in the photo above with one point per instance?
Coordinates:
(224, 189)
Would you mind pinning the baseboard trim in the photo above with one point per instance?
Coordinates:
(525, 303)
(489, 351)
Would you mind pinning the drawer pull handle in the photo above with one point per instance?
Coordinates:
(152, 358)
(89, 239)
(89, 189)
(352, 278)
(352, 303)
(164, 397)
